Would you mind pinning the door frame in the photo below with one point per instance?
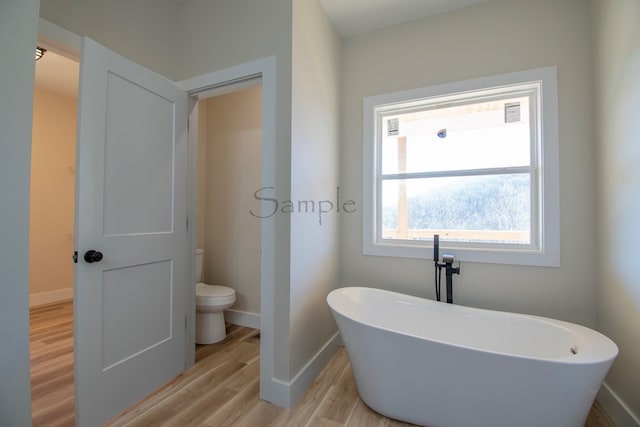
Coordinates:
(68, 44)
(58, 40)
(216, 83)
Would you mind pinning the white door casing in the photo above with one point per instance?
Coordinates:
(131, 186)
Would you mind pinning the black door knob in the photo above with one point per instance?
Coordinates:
(92, 256)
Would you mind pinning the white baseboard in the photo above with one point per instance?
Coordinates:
(50, 297)
(616, 409)
(286, 394)
(310, 371)
(242, 318)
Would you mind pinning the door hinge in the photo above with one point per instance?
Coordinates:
(75, 257)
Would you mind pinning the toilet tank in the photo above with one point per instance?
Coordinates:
(199, 260)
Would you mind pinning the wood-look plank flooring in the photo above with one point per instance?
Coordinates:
(52, 365)
(220, 389)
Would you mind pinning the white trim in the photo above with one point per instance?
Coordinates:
(242, 84)
(286, 394)
(192, 209)
(42, 298)
(549, 252)
(59, 40)
(305, 377)
(201, 86)
(617, 410)
(242, 318)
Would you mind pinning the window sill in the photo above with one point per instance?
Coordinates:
(549, 257)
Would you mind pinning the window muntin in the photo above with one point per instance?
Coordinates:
(480, 185)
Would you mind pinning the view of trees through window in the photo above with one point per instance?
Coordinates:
(489, 208)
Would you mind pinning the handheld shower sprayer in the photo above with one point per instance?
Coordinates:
(436, 265)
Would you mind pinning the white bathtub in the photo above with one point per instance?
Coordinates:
(437, 364)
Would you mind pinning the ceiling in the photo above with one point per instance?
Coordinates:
(58, 74)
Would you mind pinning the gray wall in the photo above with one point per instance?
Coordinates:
(617, 44)
(494, 37)
(491, 38)
(141, 30)
(18, 28)
(314, 176)
(217, 34)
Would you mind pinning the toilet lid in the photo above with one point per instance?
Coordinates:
(214, 295)
(204, 290)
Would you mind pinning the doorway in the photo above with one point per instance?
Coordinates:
(260, 72)
(52, 205)
(200, 87)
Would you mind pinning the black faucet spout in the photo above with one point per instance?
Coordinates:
(450, 270)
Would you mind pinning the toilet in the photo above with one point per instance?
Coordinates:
(211, 301)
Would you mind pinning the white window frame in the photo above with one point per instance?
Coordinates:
(545, 247)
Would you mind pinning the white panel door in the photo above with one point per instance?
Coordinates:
(129, 306)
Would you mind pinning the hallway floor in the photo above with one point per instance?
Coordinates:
(52, 402)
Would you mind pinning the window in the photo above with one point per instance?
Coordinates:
(475, 162)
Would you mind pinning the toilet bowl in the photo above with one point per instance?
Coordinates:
(211, 301)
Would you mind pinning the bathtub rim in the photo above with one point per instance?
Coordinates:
(584, 357)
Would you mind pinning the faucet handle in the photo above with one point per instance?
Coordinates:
(447, 258)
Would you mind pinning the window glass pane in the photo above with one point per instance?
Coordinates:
(489, 208)
(490, 134)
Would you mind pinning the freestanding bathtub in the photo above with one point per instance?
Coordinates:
(437, 364)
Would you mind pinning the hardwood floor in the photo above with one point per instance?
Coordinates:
(52, 365)
(220, 390)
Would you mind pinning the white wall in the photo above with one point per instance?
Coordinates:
(490, 38)
(617, 44)
(233, 175)
(52, 204)
(18, 28)
(314, 176)
(141, 30)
